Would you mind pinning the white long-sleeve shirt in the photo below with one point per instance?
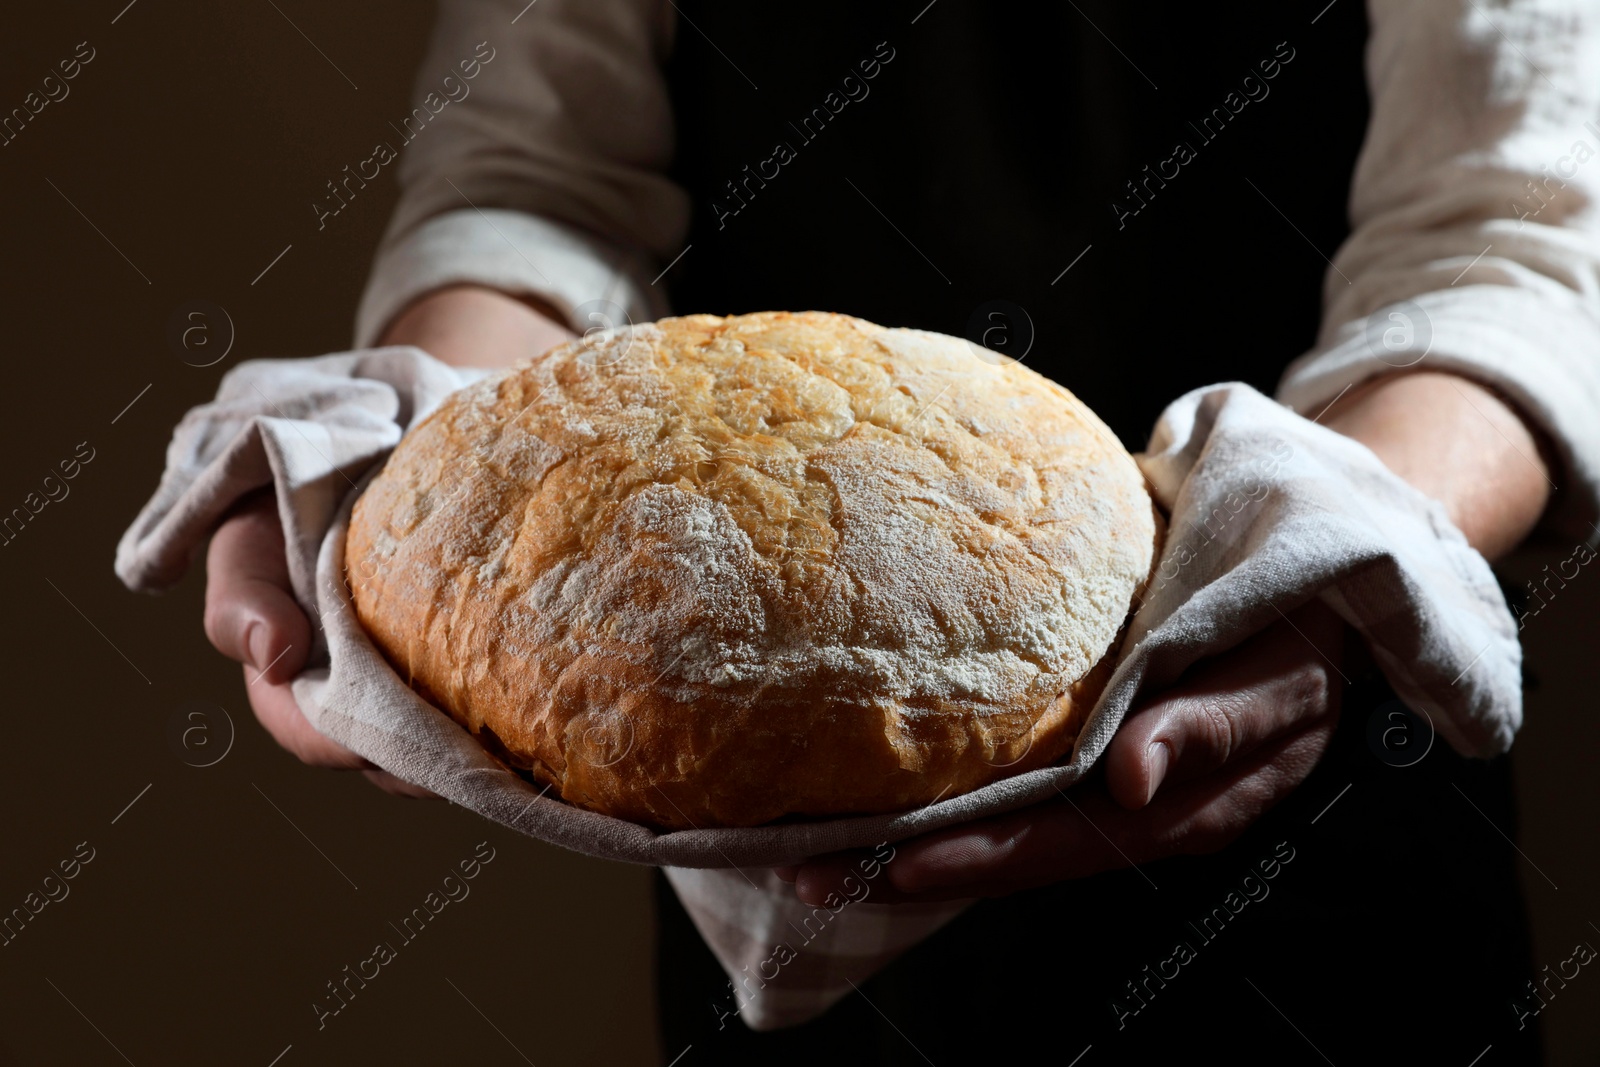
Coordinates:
(1474, 248)
(1476, 234)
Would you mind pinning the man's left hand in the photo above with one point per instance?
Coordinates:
(1186, 773)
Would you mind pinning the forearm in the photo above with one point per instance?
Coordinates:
(1459, 443)
(473, 326)
(546, 171)
(1474, 252)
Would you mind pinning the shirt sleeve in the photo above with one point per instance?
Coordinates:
(535, 161)
(1476, 232)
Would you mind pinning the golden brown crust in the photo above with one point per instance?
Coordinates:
(711, 572)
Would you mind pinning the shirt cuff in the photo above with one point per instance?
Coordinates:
(1541, 352)
(589, 280)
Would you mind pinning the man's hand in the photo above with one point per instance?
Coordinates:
(1190, 771)
(1186, 773)
(251, 614)
(253, 617)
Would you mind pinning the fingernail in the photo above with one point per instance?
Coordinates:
(255, 642)
(1156, 765)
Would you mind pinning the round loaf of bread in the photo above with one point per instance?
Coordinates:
(717, 571)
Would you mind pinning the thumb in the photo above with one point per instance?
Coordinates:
(251, 614)
(1277, 683)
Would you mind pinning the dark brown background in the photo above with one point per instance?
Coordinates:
(196, 141)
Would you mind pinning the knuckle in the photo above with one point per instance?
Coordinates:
(1215, 724)
(1309, 688)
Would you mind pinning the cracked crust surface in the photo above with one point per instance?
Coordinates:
(715, 571)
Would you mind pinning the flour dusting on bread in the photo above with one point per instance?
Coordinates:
(821, 566)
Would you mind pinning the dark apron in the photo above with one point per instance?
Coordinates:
(1133, 219)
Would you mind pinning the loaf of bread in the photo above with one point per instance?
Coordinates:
(718, 571)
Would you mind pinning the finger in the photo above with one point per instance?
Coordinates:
(1233, 704)
(854, 875)
(787, 874)
(1084, 834)
(959, 861)
(1069, 837)
(278, 711)
(251, 614)
(1093, 833)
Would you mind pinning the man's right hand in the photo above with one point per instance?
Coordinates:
(253, 617)
(251, 614)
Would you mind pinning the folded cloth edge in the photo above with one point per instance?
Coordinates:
(521, 807)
